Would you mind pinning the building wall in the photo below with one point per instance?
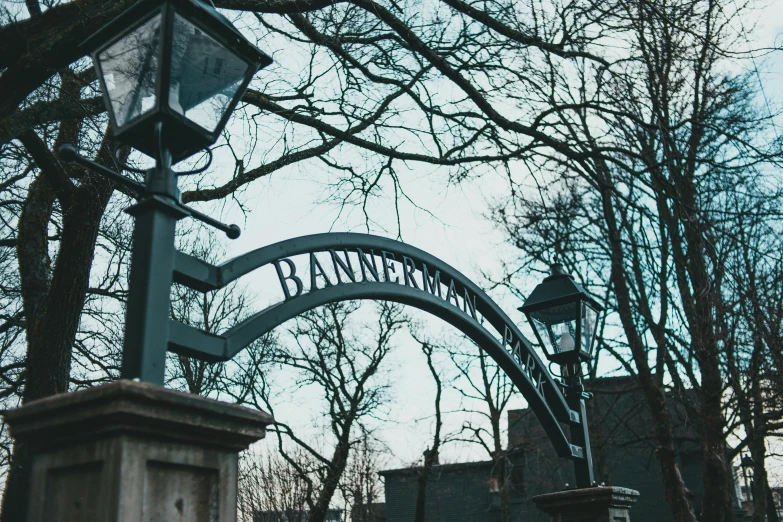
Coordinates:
(623, 455)
(623, 450)
(455, 493)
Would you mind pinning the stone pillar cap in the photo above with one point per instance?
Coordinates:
(586, 498)
(139, 409)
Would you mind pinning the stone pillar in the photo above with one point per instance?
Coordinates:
(134, 452)
(599, 504)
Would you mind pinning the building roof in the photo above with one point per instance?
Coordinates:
(440, 468)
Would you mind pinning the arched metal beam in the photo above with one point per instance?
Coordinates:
(202, 276)
(243, 334)
(524, 367)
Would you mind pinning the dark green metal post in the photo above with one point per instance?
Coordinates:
(152, 265)
(575, 397)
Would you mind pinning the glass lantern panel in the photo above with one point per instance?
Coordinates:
(205, 76)
(557, 327)
(130, 70)
(589, 324)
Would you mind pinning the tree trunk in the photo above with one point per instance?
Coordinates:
(673, 484)
(431, 455)
(35, 274)
(430, 458)
(51, 329)
(503, 487)
(758, 449)
(51, 337)
(699, 307)
(500, 456)
(337, 465)
(717, 500)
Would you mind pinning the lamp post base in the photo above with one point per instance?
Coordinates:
(598, 504)
(131, 451)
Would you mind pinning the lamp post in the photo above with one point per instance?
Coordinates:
(564, 318)
(171, 72)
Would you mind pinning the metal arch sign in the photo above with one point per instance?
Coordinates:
(346, 266)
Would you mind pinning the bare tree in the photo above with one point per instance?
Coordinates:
(753, 268)
(486, 391)
(12, 324)
(652, 222)
(343, 360)
(271, 489)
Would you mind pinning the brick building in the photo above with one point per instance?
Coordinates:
(623, 454)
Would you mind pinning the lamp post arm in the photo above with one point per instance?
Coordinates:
(232, 231)
(68, 153)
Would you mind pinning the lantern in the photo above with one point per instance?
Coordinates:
(178, 62)
(564, 317)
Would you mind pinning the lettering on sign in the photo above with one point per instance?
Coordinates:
(353, 265)
(342, 265)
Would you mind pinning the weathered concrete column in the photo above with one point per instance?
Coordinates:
(599, 504)
(134, 452)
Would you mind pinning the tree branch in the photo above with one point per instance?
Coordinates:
(50, 166)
